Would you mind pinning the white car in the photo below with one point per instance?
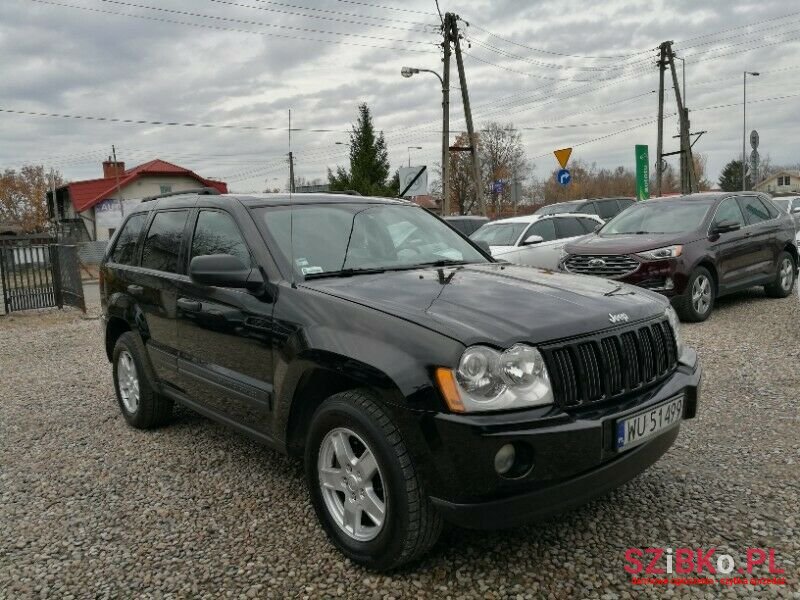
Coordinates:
(535, 240)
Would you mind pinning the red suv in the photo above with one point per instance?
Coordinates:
(693, 249)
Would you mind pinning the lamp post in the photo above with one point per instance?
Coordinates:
(410, 148)
(410, 72)
(744, 124)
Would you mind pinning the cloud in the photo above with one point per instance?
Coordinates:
(547, 68)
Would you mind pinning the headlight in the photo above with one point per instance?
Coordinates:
(675, 323)
(488, 380)
(662, 253)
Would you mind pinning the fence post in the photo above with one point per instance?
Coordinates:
(55, 262)
(3, 283)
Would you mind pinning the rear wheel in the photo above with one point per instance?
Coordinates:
(141, 405)
(697, 301)
(363, 485)
(784, 277)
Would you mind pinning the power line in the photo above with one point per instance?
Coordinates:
(370, 5)
(259, 23)
(164, 123)
(326, 18)
(705, 35)
(545, 51)
(231, 29)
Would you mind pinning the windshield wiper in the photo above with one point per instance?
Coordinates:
(441, 263)
(343, 273)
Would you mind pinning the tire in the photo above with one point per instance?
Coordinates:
(134, 382)
(784, 277)
(697, 302)
(410, 524)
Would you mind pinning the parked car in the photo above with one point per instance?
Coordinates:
(466, 224)
(605, 208)
(694, 249)
(545, 239)
(791, 206)
(506, 235)
(420, 380)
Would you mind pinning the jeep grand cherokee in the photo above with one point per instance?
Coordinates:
(420, 380)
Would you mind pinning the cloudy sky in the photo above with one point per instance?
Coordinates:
(564, 73)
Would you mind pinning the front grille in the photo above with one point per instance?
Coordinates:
(603, 367)
(615, 265)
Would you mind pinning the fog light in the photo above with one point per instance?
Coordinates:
(669, 284)
(504, 459)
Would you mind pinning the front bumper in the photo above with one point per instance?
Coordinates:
(572, 453)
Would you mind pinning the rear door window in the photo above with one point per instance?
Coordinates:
(588, 224)
(587, 209)
(568, 227)
(754, 210)
(124, 252)
(162, 245)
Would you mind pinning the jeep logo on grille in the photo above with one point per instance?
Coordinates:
(597, 263)
(618, 318)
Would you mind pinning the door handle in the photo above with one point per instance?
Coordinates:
(189, 305)
(135, 290)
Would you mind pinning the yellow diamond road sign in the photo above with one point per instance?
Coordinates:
(563, 156)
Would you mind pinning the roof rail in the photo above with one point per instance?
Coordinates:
(204, 191)
(343, 193)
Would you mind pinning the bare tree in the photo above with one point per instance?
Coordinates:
(502, 157)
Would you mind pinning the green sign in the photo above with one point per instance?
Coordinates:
(642, 173)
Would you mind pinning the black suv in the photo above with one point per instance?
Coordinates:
(364, 334)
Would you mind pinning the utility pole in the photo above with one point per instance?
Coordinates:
(291, 172)
(446, 117)
(119, 190)
(476, 168)
(660, 144)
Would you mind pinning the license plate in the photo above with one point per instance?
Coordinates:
(647, 424)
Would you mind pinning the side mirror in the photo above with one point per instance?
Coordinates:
(796, 210)
(726, 226)
(483, 245)
(224, 270)
(532, 239)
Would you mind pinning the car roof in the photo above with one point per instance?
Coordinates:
(534, 218)
(252, 200)
(466, 218)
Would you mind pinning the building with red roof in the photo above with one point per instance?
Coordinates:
(93, 209)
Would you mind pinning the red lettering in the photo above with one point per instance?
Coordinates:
(704, 561)
(773, 568)
(636, 565)
(684, 561)
(755, 557)
(652, 569)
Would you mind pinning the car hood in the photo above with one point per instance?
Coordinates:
(624, 244)
(497, 304)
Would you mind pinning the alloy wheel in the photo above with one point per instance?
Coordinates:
(352, 485)
(701, 294)
(128, 381)
(786, 274)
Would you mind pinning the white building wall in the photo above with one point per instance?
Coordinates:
(107, 214)
(771, 185)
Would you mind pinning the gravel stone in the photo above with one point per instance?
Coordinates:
(90, 507)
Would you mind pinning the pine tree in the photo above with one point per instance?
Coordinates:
(369, 162)
(730, 180)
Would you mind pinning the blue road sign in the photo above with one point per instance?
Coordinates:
(497, 187)
(564, 177)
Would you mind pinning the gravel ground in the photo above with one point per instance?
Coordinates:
(92, 508)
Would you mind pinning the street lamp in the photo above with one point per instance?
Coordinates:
(410, 72)
(410, 148)
(744, 123)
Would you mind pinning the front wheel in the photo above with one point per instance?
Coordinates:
(784, 277)
(363, 485)
(697, 301)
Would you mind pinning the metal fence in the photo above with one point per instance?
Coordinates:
(91, 253)
(36, 273)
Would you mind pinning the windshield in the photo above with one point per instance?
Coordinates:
(554, 209)
(334, 238)
(499, 234)
(659, 217)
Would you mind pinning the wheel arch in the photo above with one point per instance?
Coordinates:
(115, 327)
(708, 264)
